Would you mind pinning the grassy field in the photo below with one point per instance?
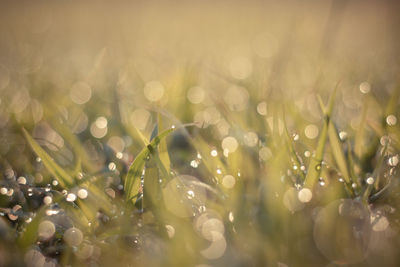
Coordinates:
(199, 133)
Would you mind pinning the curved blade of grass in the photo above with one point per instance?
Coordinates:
(338, 153)
(62, 176)
(292, 151)
(314, 168)
(163, 149)
(337, 148)
(132, 180)
(375, 175)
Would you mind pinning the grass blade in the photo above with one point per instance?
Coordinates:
(314, 168)
(62, 176)
(132, 180)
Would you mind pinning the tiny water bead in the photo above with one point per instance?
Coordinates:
(82, 193)
(21, 180)
(393, 161)
(71, 197)
(365, 87)
(370, 180)
(391, 120)
(112, 166)
(190, 194)
(3, 191)
(214, 153)
(194, 163)
(47, 200)
(305, 195)
(295, 137)
(170, 230)
(343, 135)
(262, 108)
(73, 237)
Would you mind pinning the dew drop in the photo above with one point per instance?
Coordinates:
(21, 180)
(194, 164)
(305, 195)
(393, 161)
(190, 194)
(391, 120)
(365, 87)
(82, 193)
(112, 166)
(170, 230)
(73, 237)
(71, 197)
(47, 200)
(3, 191)
(342, 135)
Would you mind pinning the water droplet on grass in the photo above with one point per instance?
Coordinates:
(393, 161)
(370, 180)
(82, 193)
(73, 237)
(71, 197)
(305, 195)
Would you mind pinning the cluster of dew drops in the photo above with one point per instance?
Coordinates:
(55, 227)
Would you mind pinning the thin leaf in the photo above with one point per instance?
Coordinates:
(337, 148)
(314, 168)
(132, 180)
(375, 175)
(292, 151)
(163, 149)
(62, 176)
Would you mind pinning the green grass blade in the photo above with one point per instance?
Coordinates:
(62, 176)
(314, 168)
(292, 151)
(336, 146)
(163, 149)
(132, 180)
(338, 153)
(375, 175)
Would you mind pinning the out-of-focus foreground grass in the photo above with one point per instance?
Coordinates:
(194, 133)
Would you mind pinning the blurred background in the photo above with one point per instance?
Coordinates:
(89, 80)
